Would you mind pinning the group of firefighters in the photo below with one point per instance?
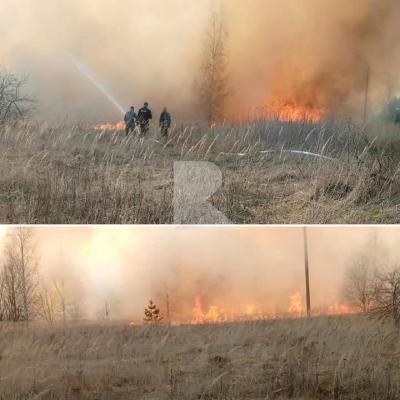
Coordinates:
(142, 119)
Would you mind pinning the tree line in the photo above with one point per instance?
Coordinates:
(24, 294)
(370, 286)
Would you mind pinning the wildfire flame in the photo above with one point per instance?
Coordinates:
(251, 310)
(340, 309)
(290, 111)
(296, 307)
(295, 113)
(119, 126)
(213, 314)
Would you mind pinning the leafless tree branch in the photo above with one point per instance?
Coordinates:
(14, 105)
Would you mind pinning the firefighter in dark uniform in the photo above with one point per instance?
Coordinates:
(165, 123)
(130, 121)
(144, 117)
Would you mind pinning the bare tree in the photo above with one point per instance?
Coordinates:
(213, 81)
(18, 277)
(10, 299)
(376, 292)
(386, 294)
(14, 105)
(59, 299)
(3, 300)
(22, 252)
(52, 303)
(61, 295)
(47, 305)
(165, 300)
(358, 286)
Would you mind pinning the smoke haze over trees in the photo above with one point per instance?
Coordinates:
(81, 270)
(307, 52)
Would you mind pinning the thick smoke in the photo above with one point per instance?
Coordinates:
(309, 52)
(313, 52)
(227, 267)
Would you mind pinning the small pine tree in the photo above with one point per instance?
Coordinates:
(152, 313)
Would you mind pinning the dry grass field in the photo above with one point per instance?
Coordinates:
(324, 358)
(79, 175)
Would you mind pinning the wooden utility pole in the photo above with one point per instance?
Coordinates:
(308, 296)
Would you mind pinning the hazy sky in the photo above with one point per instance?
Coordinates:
(305, 51)
(227, 265)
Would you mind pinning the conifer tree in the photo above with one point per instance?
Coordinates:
(152, 313)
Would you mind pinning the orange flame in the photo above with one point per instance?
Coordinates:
(201, 314)
(296, 307)
(211, 316)
(289, 111)
(119, 126)
(340, 309)
(214, 314)
(251, 310)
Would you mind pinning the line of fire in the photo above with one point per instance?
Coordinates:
(215, 276)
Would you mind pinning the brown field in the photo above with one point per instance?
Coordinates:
(323, 358)
(77, 175)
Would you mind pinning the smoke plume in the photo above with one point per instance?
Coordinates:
(139, 50)
(313, 52)
(308, 52)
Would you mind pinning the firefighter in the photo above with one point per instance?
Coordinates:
(130, 121)
(165, 123)
(144, 117)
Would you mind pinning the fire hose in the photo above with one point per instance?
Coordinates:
(305, 153)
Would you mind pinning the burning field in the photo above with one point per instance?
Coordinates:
(196, 277)
(203, 313)
(214, 313)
